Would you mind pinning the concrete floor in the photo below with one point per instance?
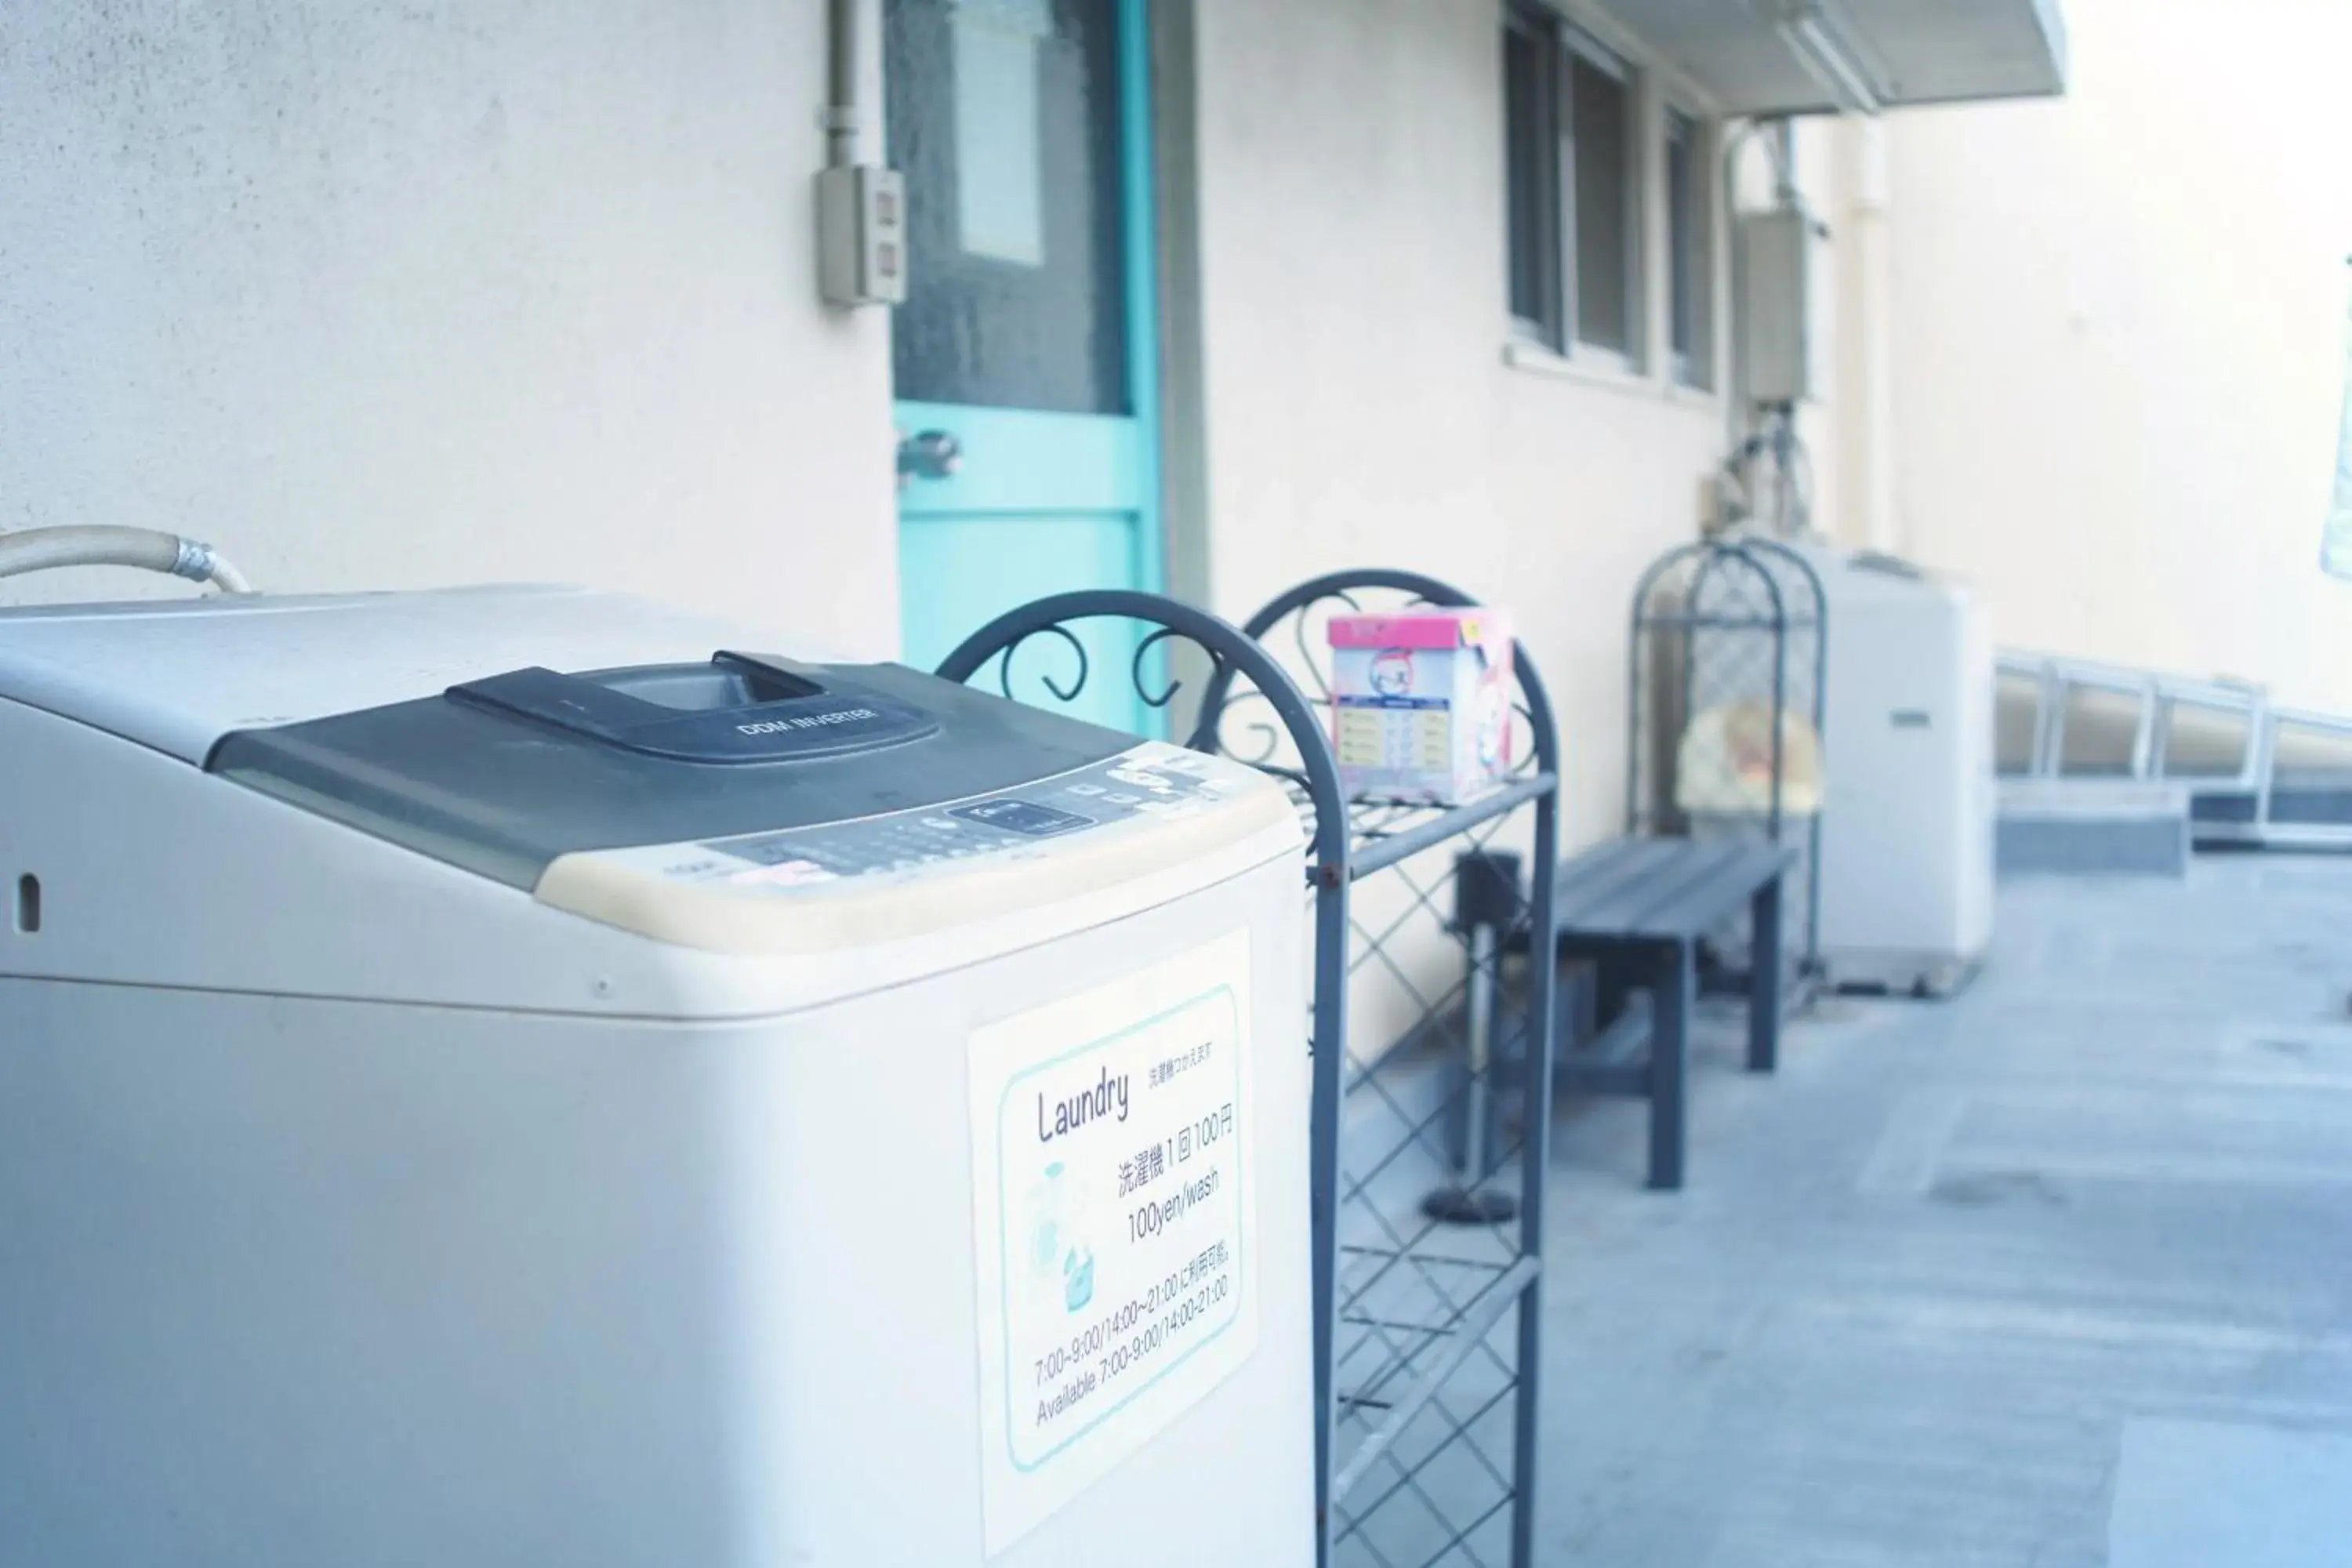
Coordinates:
(2055, 1275)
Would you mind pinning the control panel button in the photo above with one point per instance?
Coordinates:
(1025, 817)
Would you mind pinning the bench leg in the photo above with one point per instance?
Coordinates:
(1576, 988)
(1764, 979)
(1678, 990)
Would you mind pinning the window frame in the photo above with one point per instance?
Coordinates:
(1552, 228)
(1579, 45)
(1689, 345)
(1537, 28)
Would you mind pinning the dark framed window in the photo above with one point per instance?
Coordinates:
(1532, 170)
(1689, 230)
(1572, 181)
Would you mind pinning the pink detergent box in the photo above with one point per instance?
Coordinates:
(1421, 703)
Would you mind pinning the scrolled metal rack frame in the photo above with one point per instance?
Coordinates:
(1345, 846)
(1380, 839)
(1754, 555)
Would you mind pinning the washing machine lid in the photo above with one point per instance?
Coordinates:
(649, 769)
(502, 728)
(178, 675)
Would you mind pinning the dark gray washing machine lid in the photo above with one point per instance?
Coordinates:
(504, 774)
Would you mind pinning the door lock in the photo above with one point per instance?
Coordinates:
(928, 454)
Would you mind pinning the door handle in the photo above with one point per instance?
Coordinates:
(928, 454)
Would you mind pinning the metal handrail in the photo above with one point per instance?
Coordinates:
(2159, 695)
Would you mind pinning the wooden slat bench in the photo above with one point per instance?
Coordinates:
(1633, 911)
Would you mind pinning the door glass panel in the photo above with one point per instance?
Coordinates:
(1003, 115)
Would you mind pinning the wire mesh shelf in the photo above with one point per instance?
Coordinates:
(1437, 1132)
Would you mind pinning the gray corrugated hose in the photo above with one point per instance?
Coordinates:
(41, 549)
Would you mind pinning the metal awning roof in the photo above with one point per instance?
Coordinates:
(1807, 56)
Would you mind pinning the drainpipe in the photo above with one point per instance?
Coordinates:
(842, 24)
(1784, 162)
(1863, 414)
(1786, 436)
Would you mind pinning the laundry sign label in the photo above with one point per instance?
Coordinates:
(1116, 1245)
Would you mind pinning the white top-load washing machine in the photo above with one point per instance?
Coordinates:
(516, 1077)
(1907, 871)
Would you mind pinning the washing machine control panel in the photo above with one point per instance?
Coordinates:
(898, 875)
(1153, 781)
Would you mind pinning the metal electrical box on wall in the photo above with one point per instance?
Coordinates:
(861, 212)
(1775, 300)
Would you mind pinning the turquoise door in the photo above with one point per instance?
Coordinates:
(1024, 357)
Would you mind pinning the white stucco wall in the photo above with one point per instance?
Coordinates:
(379, 294)
(1360, 408)
(2117, 326)
(384, 295)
